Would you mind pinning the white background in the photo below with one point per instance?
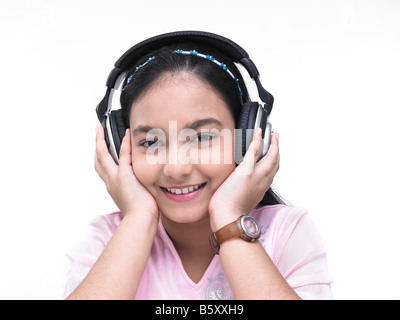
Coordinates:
(333, 67)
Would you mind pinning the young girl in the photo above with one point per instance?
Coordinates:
(177, 183)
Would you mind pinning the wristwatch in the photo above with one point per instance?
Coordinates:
(245, 227)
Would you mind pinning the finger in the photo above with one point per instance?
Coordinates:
(103, 157)
(125, 157)
(100, 170)
(271, 160)
(251, 156)
(257, 141)
(255, 146)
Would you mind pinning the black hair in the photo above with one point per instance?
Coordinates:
(168, 62)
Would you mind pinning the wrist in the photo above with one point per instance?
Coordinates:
(146, 220)
(245, 227)
(144, 212)
(223, 216)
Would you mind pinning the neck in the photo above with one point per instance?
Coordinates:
(191, 241)
(189, 237)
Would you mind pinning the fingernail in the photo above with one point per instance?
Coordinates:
(277, 136)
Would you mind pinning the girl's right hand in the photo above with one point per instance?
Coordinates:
(128, 193)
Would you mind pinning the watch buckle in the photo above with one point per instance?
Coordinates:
(214, 243)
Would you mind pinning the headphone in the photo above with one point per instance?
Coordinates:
(252, 116)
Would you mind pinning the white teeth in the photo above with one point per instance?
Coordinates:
(184, 190)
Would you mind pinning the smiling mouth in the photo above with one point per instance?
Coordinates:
(184, 190)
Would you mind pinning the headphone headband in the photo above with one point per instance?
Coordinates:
(131, 57)
(232, 50)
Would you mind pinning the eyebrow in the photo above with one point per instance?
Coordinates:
(203, 122)
(192, 125)
(141, 129)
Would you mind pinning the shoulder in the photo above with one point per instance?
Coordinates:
(107, 223)
(278, 215)
(277, 223)
(98, 233)
(85, 252)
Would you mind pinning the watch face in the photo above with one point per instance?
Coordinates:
(250, 227)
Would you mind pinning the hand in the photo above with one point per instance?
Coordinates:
(247, 184)
(123, 186)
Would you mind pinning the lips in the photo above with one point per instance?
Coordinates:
(183, 193)
(184, 190)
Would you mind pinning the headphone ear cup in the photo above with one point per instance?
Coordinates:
(266, 140)
(117, 128)
(246, 120)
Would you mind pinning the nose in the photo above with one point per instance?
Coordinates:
(177, 170)
(177, 166)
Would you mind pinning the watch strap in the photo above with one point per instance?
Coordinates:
(228, 232)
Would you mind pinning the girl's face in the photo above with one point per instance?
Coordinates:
(182, 145)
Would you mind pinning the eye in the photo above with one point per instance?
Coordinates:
(203, 137)
(148, 144)
(151, 143)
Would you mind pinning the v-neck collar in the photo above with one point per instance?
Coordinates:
(207, 274)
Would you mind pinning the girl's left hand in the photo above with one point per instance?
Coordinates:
(247, 184)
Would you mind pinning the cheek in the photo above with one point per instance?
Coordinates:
(217, 151)
(226, 149)
(218, 160)
(217, 173)
(146, 173)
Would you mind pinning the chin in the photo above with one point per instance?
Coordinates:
(185, 215)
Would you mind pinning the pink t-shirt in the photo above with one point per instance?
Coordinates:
(288, 236)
